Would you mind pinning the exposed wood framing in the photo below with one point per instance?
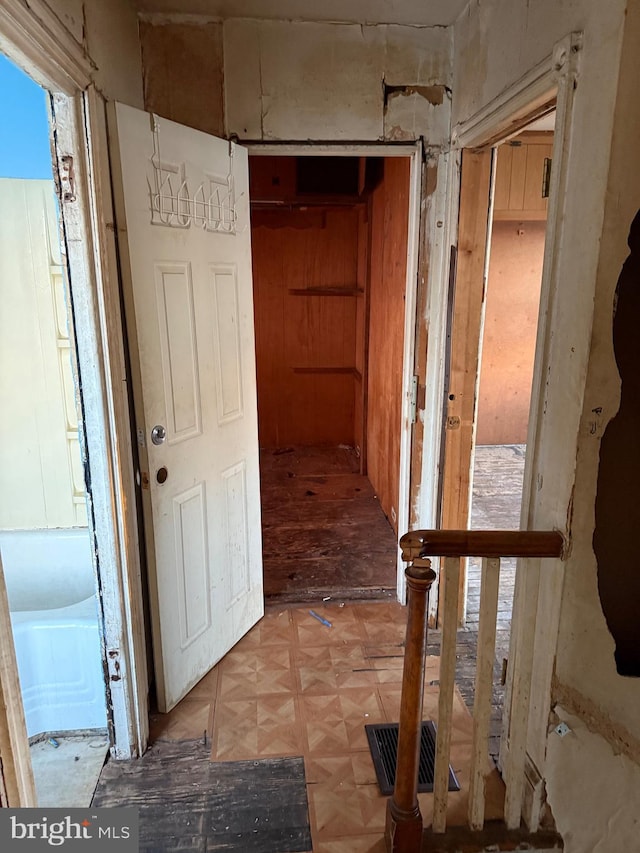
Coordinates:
(429, 181)
(465, 341)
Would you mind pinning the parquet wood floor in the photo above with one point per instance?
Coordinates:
(296, 687)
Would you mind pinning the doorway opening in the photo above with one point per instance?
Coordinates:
(44, 533)
(495, 334)
(515, 250)
(329, 252)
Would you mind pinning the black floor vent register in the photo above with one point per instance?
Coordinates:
(383, 743)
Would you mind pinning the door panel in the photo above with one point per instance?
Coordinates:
(183, 217)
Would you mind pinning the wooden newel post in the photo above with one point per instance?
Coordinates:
(403, 832)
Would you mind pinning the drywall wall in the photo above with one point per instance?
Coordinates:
(108, 32)
(495, 44)
(71, 14)
(585, 648)
(606, 784)
(111, 39)
(287, 80)
(435, 12)
(509, 338)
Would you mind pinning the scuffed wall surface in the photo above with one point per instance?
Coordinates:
(296, 81)
(495, 44)
(585, 647)
(71, 14)
(170, 54)
(606, 785)
(111, 32)
(108, 31)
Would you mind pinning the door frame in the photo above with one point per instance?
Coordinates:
(413, 151)
(33, 38)
(532, 651)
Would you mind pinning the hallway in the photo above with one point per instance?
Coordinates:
(295, 688)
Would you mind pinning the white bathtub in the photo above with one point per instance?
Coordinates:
(51, 590)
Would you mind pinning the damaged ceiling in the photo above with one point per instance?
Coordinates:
(425, 13)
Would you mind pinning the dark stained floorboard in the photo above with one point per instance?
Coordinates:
(187, 803)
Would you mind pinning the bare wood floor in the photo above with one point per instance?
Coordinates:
(497, 497)
(324, 532)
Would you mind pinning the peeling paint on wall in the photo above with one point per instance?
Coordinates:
(604, 784)
(433, 94)
(326, 82)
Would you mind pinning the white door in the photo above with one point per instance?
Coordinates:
(183, 217)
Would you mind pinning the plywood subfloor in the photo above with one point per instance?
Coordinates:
(324, 533)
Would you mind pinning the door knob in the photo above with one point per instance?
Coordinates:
(158, 434)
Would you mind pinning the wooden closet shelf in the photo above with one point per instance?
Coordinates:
(330, 370)
(325, 291)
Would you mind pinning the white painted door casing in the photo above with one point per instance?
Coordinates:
(191, 288)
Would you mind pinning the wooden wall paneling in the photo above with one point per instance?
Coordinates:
(518, 176)
(268, 295)
(504, 158)
(272, 178)
(532, 197)
(361, 335)
(390, 212)
(520, 167)
(305, 264)
(465, 340)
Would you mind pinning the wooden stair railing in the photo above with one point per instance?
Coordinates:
(404, 829)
